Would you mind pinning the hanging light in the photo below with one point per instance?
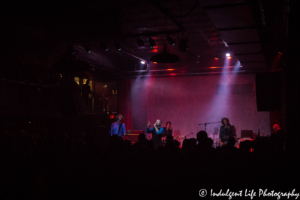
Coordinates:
(104, 46)
(118, 46)
(86, 48)
(165, 57)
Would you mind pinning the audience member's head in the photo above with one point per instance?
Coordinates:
(201, 137)
(141, 137)
(245, 146)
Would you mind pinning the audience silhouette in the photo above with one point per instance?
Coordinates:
(48, 164)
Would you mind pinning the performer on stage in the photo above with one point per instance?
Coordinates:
(168, 130)
(226, 130)
(118, 128)
(157, 132)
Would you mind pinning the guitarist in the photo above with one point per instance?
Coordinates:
(168, 130)
(118, 128)
(226, 130)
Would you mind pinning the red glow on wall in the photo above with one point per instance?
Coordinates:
(182, 71)
(279, 52)
(112, 116)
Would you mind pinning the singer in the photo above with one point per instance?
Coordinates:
(226, 130)
(157, 132)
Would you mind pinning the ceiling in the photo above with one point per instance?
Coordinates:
(253, 32)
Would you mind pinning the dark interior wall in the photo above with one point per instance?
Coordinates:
(19, 99)
(191, 100)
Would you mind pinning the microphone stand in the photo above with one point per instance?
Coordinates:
(188, 135)
(207, 123)
(205, 127)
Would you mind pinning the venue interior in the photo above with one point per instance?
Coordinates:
(68, 70)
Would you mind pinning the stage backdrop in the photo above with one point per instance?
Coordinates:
(191, 100)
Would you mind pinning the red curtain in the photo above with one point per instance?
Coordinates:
(124, 102)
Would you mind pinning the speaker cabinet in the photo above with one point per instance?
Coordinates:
(133, 136)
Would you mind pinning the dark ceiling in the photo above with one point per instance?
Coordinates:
(252, 31)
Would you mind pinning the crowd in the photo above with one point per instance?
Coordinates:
(57, 165)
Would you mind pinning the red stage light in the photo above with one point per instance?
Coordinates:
(170, 69)
(112, 116)
(172, 74)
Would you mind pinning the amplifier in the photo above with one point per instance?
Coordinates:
(133, 135)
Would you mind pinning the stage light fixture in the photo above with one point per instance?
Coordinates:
(152, 42)
(141, 67)
(170, 40)
(144, 67)
(143, 62)
(86, 48)
(227, 54)
(140, 42)
(164, 57)
(104, 46)
(118, 46)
